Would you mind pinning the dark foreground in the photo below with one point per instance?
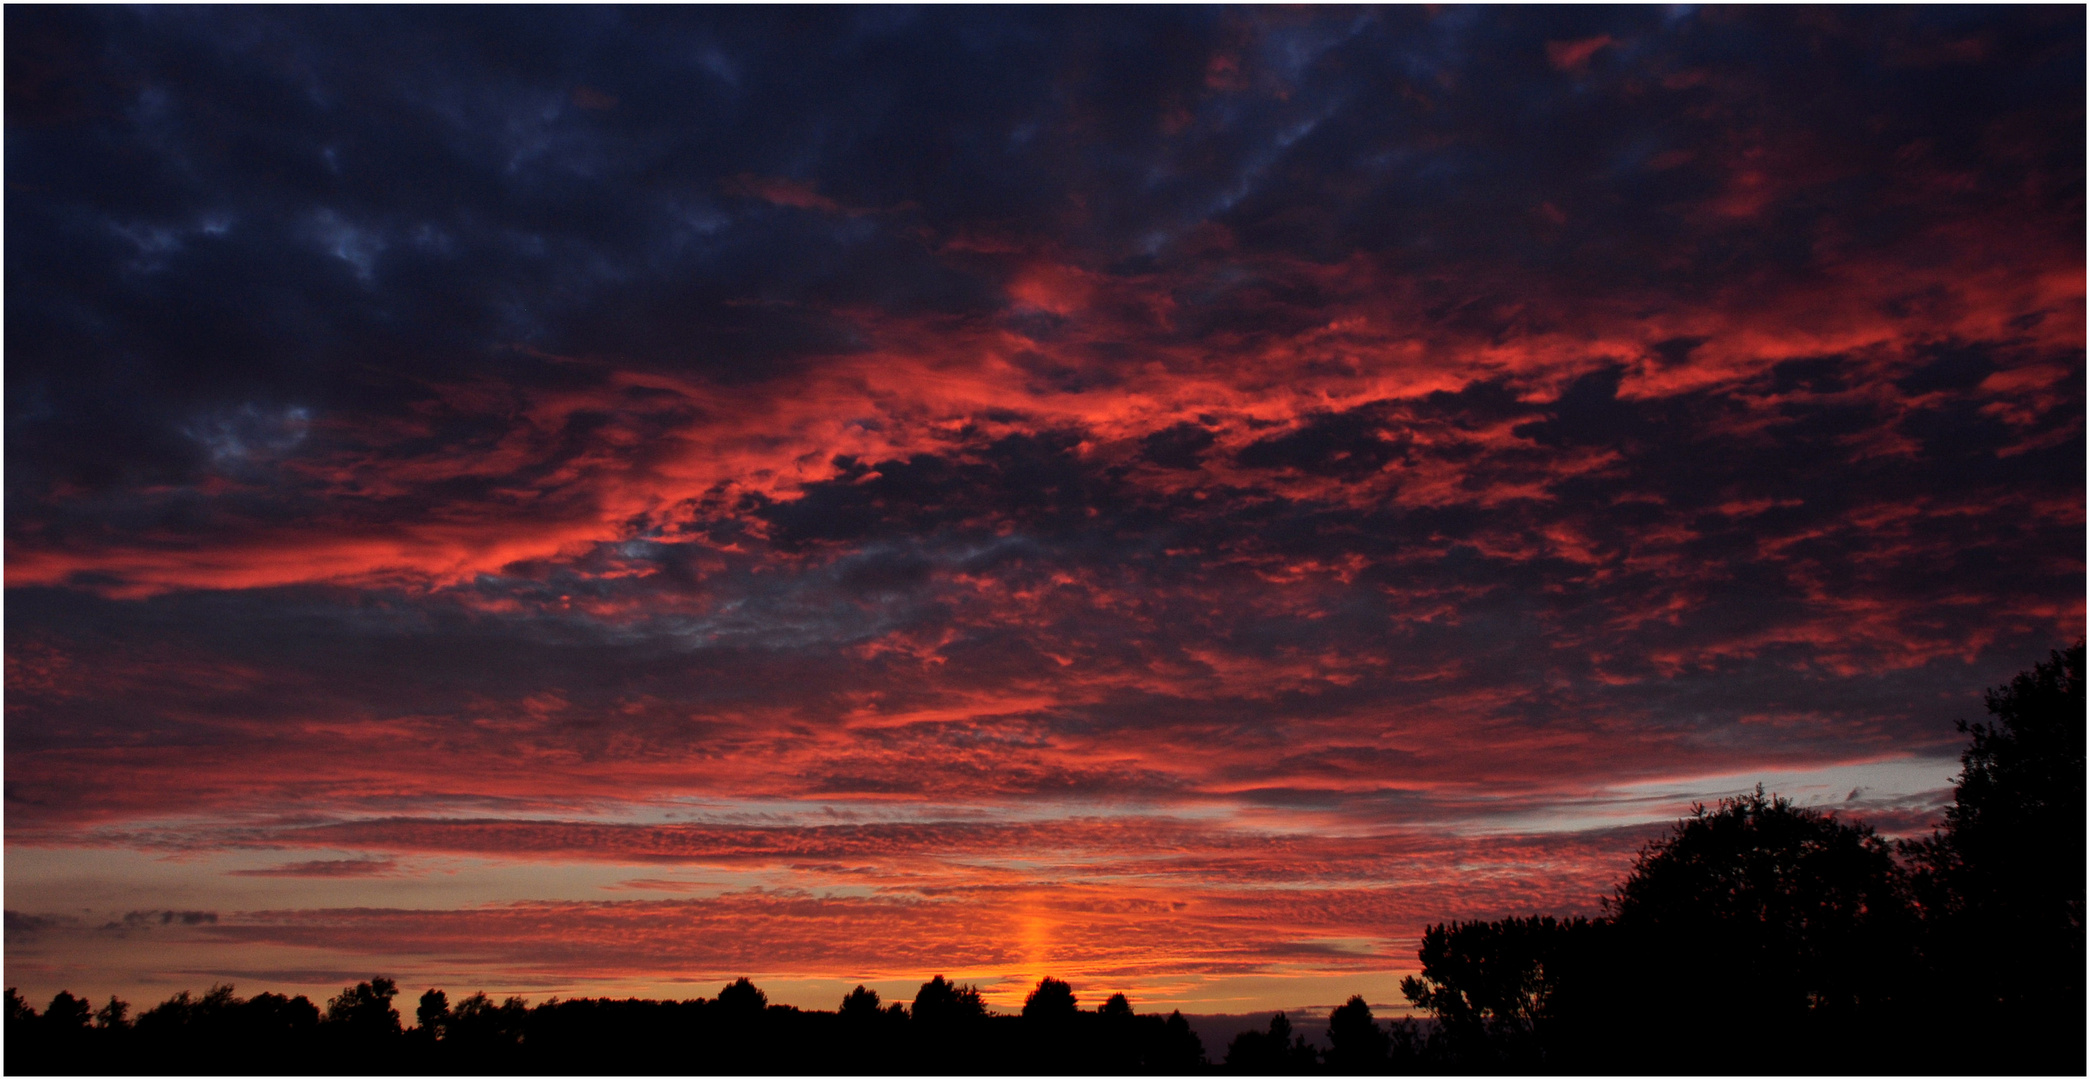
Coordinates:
(946, 1031)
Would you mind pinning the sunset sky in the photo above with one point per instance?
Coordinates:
(594, 501)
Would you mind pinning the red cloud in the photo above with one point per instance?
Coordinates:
(784, 191)
(1573, 55)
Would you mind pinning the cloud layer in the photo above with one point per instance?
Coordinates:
(908, 484)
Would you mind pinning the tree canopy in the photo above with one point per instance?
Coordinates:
(1761, 936)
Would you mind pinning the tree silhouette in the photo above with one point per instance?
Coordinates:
(942, 1002)
(1806, 912)
(1050, 1021)
(946, 1027)
(25, 1052)
(1751, 916)
(275, 1029)
(1173, 1048)
(478, 1030)
(2000, 885)
(1357, 1045)
(742, 998)
(218, 1032)
(1117, 1037)
(861, 1003)
(65, 1027)
(1276, 1052)
(432, 1012)
(365, 1009)
(67, 1013)
(1496, 987)
(742, 1008)
(113, 1016)
(867, 1030)
(1050, 1001)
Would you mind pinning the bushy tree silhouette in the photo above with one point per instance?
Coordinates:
(945, 1027)
(25, 1047)
(1275, 1052)
(1051, 1001)
(114, 1016)
(742, 997)
(219, 1032)
(1798, 899)
(1172, 1047)
(1357, 1045)
(365, 1009)
(1496, 987)
(861, 1003)
(1051, 1029)
(67, 1013)
(65, 1027)
(432, 1012)
(940, 1001)
(868, 1030)
(1805, 912)
(477, 1027)
(2001, 883)
(1116, 1038)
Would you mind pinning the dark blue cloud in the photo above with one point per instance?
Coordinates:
(1299, 407)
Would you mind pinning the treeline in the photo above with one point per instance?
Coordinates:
(1757, 937)
(946, 1029)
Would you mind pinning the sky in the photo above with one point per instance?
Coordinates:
(606, 501)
